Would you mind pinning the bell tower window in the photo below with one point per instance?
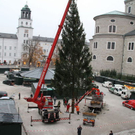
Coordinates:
(129, 10)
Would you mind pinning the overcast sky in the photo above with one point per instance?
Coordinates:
(47, 14)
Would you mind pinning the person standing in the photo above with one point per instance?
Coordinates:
(79, 129)
(54, 99)
(77, 109)
(68, 106)
(19, 95)
(111, 133)
(65, 103)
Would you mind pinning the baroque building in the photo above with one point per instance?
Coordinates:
(11, 45)
(113, 43)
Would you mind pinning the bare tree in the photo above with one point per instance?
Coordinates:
(32, 51)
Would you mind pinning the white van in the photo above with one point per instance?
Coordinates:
(118, 89)
(107, 84)
(125, 94)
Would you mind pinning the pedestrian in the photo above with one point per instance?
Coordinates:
(111, 133)
(58, 104)
(65, 103)
(54, 99)
(79, 129)
(68, 106)
(77, 109)
(19, 95)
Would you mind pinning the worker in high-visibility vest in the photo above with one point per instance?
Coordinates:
(77, 109)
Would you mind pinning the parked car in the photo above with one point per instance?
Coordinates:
(9, 82)
(107, 84)
(3, 94)
(6, 72)
(11, 75)
(129, 103)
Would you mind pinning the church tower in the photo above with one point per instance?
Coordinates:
(130, 7)
(24, 30)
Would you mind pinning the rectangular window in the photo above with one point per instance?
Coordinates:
(129, 9)
(131, 46)
(97, 29)
(112, 28)
(24, 35)
(15, 48)
(9, 54)
(5, 47)
(4, 54)
(0, 47)
(95, 44)
(111, 45)
(10, 47)
(24, 41)
(14, 54)
(0, 53)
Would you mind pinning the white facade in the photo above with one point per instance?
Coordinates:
(11, 45)
(113, 44)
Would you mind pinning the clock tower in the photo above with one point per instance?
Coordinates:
(24, 30)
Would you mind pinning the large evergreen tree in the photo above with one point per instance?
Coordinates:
(73, 74)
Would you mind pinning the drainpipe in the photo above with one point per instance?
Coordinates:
(122, 54)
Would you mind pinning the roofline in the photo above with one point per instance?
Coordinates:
(114, 15)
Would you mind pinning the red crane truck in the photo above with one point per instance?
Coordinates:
(45, 103)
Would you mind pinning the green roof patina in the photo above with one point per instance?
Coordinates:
(116, 13)
(26, 8)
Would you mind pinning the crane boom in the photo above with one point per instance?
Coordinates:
(43, 74)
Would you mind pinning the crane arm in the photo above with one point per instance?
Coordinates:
(43, 74)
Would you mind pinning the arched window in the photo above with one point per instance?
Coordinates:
(94, 56)
(129, 59)
(109, 58)
(112, 28)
